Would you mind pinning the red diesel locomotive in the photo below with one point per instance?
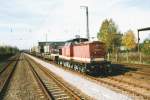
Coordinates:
(85, 56)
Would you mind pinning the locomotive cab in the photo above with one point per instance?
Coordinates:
(66, 52)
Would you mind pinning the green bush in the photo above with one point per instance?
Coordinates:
(8, 50)
(145, 47)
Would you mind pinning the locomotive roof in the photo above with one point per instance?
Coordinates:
(89, 42)
(51, 43)
(78, 40)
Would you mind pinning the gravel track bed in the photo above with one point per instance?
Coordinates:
(5, 74)
(23, 85)
(50, 84)
(136, 79)
(133, 81)
(91, 88)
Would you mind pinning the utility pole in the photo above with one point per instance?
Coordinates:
(46, 39)
(138, 43)
(87, 21)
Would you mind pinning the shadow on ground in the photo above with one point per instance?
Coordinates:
(116, 69)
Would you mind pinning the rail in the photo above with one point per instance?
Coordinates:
(8, 76)
(57, 82)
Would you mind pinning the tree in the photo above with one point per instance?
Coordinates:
(129, 40)
(109, 34)
(146, 47)
(8, 50)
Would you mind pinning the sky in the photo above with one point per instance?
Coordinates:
(25, 22)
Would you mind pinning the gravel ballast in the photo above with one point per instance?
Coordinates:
(88, 87)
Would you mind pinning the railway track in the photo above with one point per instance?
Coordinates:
(54, 88)
(40, 82)
(130, 88)
(130, 83)
(140, 72)
(6, 74)
(143, 72)
(126, 87)
(10, 60)
(139, 65)
(22, 85)
(135, 65)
